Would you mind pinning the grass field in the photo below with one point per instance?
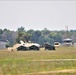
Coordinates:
(62, 61)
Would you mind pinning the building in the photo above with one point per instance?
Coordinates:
(3, 44)
(67, 42)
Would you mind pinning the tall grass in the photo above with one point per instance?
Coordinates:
(32, 62)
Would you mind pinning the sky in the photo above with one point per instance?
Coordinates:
(37, 15)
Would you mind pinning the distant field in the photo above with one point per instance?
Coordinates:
(62, 61)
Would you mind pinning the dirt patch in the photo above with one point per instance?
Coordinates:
(51, 72)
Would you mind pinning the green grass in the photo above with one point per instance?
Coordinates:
(33, 62)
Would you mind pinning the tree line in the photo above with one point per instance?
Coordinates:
(37, 36)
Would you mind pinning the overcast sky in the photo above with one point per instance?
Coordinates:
(37, 15)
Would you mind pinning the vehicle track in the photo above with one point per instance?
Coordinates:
(51, 72)
(50, 60)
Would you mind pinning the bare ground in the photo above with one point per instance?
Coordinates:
(55, 60)
(51, 72)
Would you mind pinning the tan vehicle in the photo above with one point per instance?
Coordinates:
(57, 44)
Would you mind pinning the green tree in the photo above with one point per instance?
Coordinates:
(22, 35)
(36, 35)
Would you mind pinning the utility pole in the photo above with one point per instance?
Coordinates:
(66, 31)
